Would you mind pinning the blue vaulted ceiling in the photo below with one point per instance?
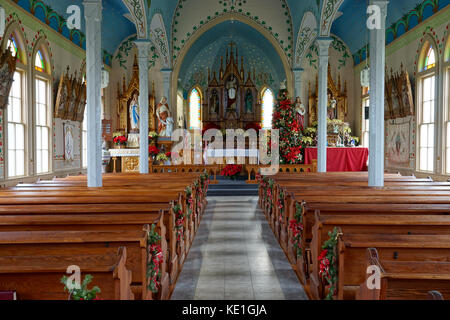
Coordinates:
(258, 53)
(350, 26)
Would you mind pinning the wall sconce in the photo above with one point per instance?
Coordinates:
(2, 21)
(105, 78)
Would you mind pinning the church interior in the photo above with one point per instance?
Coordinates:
(224, 150)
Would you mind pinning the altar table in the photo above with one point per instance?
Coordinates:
(341, 159)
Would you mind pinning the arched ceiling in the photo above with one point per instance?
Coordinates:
(259, 54)
(281, 17)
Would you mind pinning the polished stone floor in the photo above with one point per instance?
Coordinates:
(236, 256)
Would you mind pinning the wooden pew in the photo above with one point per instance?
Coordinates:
(73, 243)
(405, 280)
(37, 277)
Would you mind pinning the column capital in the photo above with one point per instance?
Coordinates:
(93, 10)
(143, 46)
(383, 5)
(324, 45)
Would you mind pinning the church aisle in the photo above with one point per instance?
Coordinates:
(236, 256)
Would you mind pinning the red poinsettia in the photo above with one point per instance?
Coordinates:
(120, 140)
(168, 154)
(208, 126)
(153, 151)
(253, 125)
(231, 170)
(293, 154)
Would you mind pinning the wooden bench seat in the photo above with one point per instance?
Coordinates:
(38, 277)
(405, 280)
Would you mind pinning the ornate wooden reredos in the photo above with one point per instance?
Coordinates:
(215, 103)
(335, 91)
(70, 99)
(7, 68)
(126, 96)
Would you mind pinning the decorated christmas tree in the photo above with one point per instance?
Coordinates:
(287, 120)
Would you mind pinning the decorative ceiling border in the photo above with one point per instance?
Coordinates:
(306, 35)
(230, 7)
(405, 21)
(139, 16)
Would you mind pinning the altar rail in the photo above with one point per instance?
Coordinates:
(285, 168)
(212, 170)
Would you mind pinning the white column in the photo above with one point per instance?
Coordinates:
(93, 16)
(167, 79)
(324, 46)
(297, 81)
(376, 113)
(143, 49)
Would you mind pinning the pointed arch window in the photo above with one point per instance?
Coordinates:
(194, 110)
(12, 46)
(39, 62)
(430, 59)
(267, 108)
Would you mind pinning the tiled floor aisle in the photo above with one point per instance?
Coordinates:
(236, 256)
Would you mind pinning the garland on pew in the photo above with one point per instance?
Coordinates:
(328, 263)
(198, 192)
(296, 226)
(179, 220)
(280, 204)
(155, 258)
(269, 193)
(189, 201)
(80, 291)
(204, 181)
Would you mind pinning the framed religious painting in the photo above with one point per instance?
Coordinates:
(7, 69)
(395, 100)
(406, 94)
(387, 100)
(62, 96)
(68, 130)
(81, 105)
(213, 104)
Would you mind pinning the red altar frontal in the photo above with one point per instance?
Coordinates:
(341, 159)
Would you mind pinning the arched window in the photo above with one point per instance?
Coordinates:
(427, 109)
(267, 108)
(194, 110)
(447, 103)
(12, 46)
(39, 62)
(430, 59)
(42, 112)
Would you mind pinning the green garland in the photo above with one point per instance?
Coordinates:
(179, 220)
(189, 201)
(82, 293)
(155, 258)
(280, 204)
(296, 226)
(328, 263)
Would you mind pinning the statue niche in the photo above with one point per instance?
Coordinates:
(231, 97)
(337, 107)
(128, 105)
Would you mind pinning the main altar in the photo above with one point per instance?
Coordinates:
(231, 99)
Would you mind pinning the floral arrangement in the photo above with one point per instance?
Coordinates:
(231, 171)
(204, 182)
(189, 201)
(179, 220)
(120, 140)
(328, 263)
(286, 120)
(280, 205)
(153, 151)
(296, 226)
(161, 157)
(152, 135)
(168, 154)
(253, 125)
(82, 293)
(155, 259)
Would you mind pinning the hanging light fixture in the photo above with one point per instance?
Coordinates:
(2, 22)
(105, 77)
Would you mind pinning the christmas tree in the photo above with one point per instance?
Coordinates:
(287, 120)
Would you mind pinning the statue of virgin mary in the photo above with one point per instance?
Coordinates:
(134, 113)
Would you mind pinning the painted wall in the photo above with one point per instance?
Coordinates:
(405, 51)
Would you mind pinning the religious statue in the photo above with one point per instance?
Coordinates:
(214, 102)
(300, 112)
(165, 120)
(249, 101)
(231, 87)
(134, 113)
(331, 108)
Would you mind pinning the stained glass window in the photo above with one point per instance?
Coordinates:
(39, 62)
(12, 46)
(194, 110)
(267, 109)
(430, 60)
